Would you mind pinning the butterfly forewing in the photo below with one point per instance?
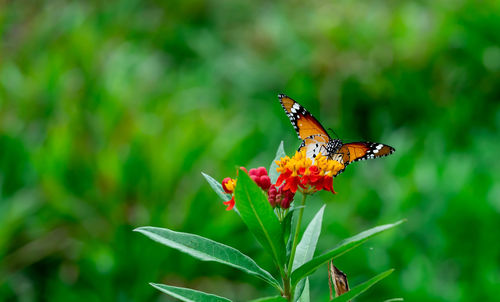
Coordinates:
(304, 123)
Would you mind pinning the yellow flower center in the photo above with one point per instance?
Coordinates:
(230, 185)
(300, 160)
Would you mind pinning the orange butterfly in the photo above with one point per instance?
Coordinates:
(315, 139)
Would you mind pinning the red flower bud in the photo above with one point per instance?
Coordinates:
(271, 194)
(260, 177)
(252, 172)
(264, 182)
(280, 197)
(286, 198)
(261, 171)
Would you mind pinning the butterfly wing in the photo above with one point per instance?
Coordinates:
(357, 151)
(315, 144)
(304, 123)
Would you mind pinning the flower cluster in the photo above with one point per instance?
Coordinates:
(277, 195)
(299, 171)
(296, 173)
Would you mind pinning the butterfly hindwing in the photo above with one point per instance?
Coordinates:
(304, 123)
(315, 144)
(357, 151)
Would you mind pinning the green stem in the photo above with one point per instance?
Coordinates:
(296, 235)
(286, 286)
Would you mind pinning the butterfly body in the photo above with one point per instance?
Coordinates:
(316, 140)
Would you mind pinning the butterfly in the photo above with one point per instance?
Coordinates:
(315, 139)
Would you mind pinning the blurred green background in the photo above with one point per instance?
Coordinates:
(110, 111)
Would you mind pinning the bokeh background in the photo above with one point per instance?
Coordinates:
(109, 112)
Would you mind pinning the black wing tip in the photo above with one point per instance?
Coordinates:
(391, 149)
(282, 95)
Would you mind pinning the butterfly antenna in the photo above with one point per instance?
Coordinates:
(334, 133)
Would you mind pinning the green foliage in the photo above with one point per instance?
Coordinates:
(262, 221)
(207, 250)
(273, 174)
(188, 295)
(307, 244)
(343, 247)
(217, 187)
(305, 251)
(271, 299)
(359, 289)
(305, 293)
(259, 217)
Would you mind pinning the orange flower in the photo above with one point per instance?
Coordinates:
(310, 176)
(228, 185)
(229, 204)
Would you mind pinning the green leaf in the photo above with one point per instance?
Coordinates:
(217, 187)
(394, 300)
(304, 297)
(273, 174)
(270, 299)
(307, 245)
(299, 289)
(259, 217)
(286, 225)
(208, 250)
(348, 244)
(188, 295)
(295, 217)
(359, 289)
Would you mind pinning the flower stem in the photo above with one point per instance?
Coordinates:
(286, 286)
(296, 235)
